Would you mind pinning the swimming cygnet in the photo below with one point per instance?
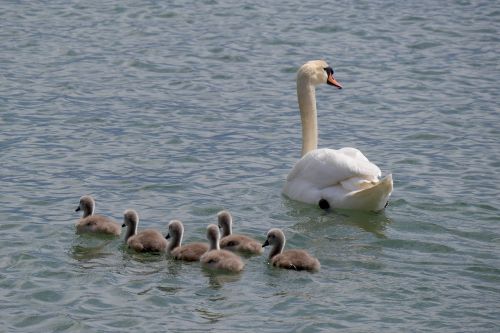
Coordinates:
(188, 252)
(233, 242)
(148, 240)
(216, 258)
(290, 259)
(94, 223)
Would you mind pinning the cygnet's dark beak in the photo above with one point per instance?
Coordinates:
(266, 243)
(77, 209)
(167, 236)
(123, 225)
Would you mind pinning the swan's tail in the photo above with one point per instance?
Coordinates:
(373, 198)
(376, 197)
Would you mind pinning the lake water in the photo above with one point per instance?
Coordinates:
(179, 109)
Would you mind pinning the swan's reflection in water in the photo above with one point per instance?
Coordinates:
(217, 279)
(87, 247)
(312, 220)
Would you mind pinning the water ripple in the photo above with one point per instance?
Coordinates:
(180, 109)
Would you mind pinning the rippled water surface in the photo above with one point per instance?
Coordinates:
(179, 109)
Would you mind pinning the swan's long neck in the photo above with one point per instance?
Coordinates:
(213, 237)
(214, 243)
(227, 228)
(131, 230)
(88, 208)
(176, 240)
(307, 105)
(277, 248)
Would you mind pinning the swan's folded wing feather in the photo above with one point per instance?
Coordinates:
(328, 167)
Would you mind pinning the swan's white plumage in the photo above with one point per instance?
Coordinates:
(343, 177)
(326, 167)
(340, 177)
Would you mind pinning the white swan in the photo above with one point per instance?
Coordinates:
(342, 178)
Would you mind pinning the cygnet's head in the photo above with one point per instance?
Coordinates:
(317, 72)
(275, 237)
(130, 219)
(87, 205)
(225, 222)
(175, 230)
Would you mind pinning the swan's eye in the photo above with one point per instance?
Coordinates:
(328, 70)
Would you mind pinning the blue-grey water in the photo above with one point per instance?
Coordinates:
(179, 109)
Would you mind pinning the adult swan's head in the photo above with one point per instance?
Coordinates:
(316, 72)
(339, 178)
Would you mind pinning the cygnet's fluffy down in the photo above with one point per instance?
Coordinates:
(148, 240)
(188, 252)
(290, 259)
(232, 242)
(218, 259)
(92, 223)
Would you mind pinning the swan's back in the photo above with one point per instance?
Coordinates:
(241, 243)
(329, 167)
(222, 260)
(148, 240)
(98, 224)
(335, 175)
(298, 260)
(190, 252)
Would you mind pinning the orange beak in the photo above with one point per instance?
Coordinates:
(331, 81)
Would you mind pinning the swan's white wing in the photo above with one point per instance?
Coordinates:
(329, 167)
